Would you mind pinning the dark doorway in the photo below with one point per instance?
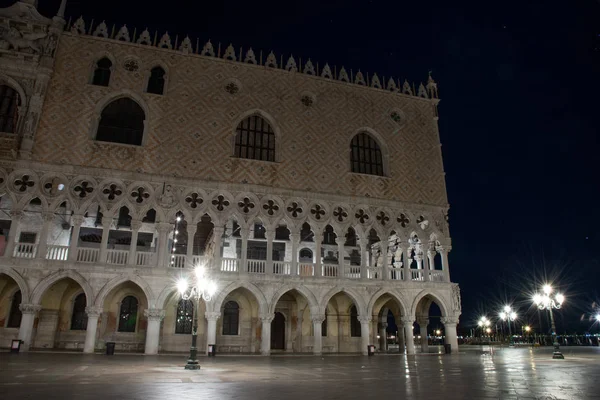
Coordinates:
(278, 332)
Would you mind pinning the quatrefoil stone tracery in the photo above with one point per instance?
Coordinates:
(317, 211)
(362, 216)
(382, 217)
(112, 192)
(403, 220)
(83, 189)
(294, 209)
(220, 202)
(23, 183)
(270, 207)
(340, 214)
(194, 200)
(246, 205)
(140, 194)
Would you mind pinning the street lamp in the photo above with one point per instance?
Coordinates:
(484, 324)
(508, 315)
(546, 302)
(200, 288)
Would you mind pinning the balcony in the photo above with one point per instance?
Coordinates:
(225, 265)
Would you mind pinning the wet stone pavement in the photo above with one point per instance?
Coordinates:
(475, 373)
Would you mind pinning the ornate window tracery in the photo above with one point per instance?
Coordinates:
(102, 72)
(365, 155)
(185, 317)
(79, 317)
(156, 81)
(231, 318)
(122, 121)
(255, 139)
(128, 314)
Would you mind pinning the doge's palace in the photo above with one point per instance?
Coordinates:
(312, 195)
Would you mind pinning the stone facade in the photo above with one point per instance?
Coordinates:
(313, 256)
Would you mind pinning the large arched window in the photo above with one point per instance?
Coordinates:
(156, 81)
(128, 314)
(231, 318)
(9, 100)
(122, 121)
(14, 317)
(185, 317)
(102, 72)
(79, 317)
(255, 139)
(365, 155)
(354, 322)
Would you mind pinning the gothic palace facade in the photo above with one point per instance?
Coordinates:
(313, 196)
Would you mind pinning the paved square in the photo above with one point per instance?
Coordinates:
(475, 373)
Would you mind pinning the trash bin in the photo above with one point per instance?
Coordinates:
(448, 348)
(110, 348)
(212, 350)
(15, 345)
(370, 350)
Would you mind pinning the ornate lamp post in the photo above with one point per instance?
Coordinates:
(547, 302)
(484, 324)
(199, 288)
(508, 315)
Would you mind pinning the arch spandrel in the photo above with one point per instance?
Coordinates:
(21, 282)
(309, 295)
(435, 297)
(116, 281)
(51, 279)
(395, 296)
(354, 296)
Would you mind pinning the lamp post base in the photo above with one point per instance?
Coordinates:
(192, 364)
(557, 355)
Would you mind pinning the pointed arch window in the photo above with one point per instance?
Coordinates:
(128, 314)
(255, 139)
(365, 155)
(354, 322)
(9, 101)
(102, 72)
(231, 318)
(79, 317)
(122, 121)
(156, 81)
(185, 317)
(14, 317)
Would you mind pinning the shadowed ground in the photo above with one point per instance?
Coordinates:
(475, 373)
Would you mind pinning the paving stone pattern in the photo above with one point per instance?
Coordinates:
(475, 373)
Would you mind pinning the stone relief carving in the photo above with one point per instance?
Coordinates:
(456, 299)
(12, 38)
(167, 199)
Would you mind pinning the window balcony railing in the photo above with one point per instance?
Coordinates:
(146, 258)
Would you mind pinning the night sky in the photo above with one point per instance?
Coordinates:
(519, 82)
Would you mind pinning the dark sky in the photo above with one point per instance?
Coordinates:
(519, 82)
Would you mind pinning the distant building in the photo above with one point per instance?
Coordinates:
(314, 196)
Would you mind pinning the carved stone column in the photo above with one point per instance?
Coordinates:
(408, 335)
(340, 241)
(270, 235)
(364, 270)
(401, 341)
(92, 327)
(445, 266)
(365, 333)
(29, 312)
(244, 234)
(106, 223)
(383, 247)
(189, 251)
(76, 220)
(16, 217)
(265, 338)
(430, 261)
(211, 329)
(425, 267)
(406, 262)
(218, 246)
(423, 322)
(42, 247)
(450, 332)
(135, 230)
(318, 238)
(317, 321)
(383, 336)
(155, 316)
(162, 252)
(295, 239)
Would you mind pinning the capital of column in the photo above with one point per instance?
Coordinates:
(295, 237)
(270, 234)
(364, 319)
(244, 232)
(449, 321)
(29, 308)
(318, 318)
(340, 241)
(154, 314)
(423, 321)
(77, 219)
(136, 225)
(48, 216)
(267, 318)
(384, 325)
(218, 230)
(163, 227)
(444, 249)
(408, 320)
(212, 316)
(93, 312)
(318, 235)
